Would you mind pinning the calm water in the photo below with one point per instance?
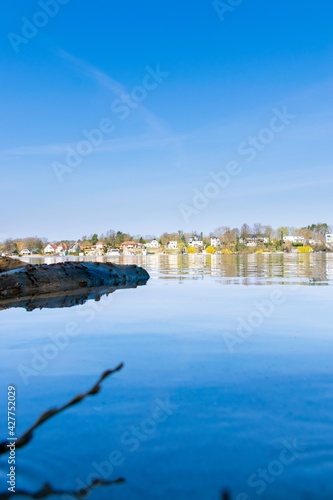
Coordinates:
(226, 384)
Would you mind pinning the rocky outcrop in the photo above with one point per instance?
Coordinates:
(7, 264)
(67, 283)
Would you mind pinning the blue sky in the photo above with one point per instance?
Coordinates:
(202, 86)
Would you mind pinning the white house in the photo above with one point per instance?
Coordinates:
(131, 245)
(99, 248)
(113, 252)
(329, 238)
(172, 245)
(294, 239)
(61, 248)
(195, 243)
(153, 244)
(100, 245)
(314, 242)
(75, 248)
(50, 248)
(215, 242)
(252, 240)
(25, 251)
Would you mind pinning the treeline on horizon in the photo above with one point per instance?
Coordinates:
(228, 236)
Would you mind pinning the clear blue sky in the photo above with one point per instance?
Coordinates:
(219, 82)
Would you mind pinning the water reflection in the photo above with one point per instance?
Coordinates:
(309, 269)
(60, 300)
(234, 409)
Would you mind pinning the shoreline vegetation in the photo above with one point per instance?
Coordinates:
(258, 239)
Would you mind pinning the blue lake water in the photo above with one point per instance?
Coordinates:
(227, 384)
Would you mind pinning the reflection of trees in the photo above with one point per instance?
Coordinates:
(316, 267)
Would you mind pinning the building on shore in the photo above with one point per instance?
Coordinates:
(172, 245)
(131, 247)
(50, 248)
(153, 244)
(215, 242)
(298, 240)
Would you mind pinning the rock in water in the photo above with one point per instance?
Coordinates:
(66, 278)
(7, 264)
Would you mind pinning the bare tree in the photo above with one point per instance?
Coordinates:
(258, 228)
(268, 232)
(10, 246)
(245, 231)
(229, 236)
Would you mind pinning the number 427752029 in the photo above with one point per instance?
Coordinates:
(11, 410)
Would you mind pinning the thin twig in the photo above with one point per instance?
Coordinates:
(27, 436)
(48, 490)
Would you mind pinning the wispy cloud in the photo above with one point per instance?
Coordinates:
(122, 144)
(115, 87)
(158, 135)
(93, 72)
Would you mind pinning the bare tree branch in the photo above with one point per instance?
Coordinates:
(27, 436)
(48, 490)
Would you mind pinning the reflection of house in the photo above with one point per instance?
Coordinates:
(153, 244)
(50, 248)
(172, 245)
(215, 242)
(329, 239)
(294, 239)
